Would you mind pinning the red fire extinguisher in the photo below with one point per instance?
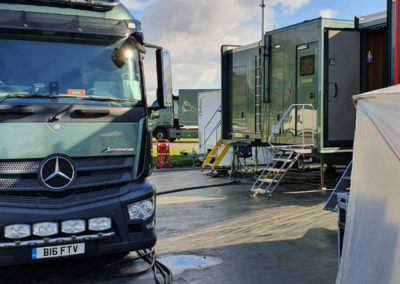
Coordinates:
(163, 154)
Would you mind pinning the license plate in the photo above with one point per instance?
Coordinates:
(58, 251)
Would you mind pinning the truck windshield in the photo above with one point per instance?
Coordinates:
(67, 68)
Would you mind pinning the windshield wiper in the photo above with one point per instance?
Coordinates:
(63, 112)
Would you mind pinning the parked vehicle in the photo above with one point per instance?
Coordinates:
(75, 146)
(210, 125)
(180, 120)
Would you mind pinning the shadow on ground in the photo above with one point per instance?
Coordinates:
(310, 259)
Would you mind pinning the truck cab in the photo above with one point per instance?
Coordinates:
(76, 148)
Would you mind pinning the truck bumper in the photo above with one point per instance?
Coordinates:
(126, 235)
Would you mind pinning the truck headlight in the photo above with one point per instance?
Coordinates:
(100, 224)
(73, 226)
(45, 229)
(141, 210)
(18, 231)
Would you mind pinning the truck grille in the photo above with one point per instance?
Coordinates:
(96, 177)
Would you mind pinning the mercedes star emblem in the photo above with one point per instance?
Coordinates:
(57, 172)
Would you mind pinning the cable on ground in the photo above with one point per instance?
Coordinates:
(149, 256)
(197, 187)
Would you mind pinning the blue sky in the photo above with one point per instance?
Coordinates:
(347, 9)
(194, 30)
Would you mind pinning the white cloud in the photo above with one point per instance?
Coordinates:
(134, 4)
(194, 30)
(289, 7)
(329, 13)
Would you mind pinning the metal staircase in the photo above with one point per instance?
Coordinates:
(282, 161)
(342, 186)
(285, 157)
(216, 155)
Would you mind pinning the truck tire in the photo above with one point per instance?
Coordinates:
(160, 133)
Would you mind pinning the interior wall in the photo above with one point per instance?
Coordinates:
(375, 58)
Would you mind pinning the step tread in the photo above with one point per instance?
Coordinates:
(259, 190)
(282, 160)
(297, 150)
(268, 180)
(275, 170)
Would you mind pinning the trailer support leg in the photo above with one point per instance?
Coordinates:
(322, 173)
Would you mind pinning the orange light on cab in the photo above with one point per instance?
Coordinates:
(76, 92)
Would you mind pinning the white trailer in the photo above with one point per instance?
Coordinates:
(210, 125)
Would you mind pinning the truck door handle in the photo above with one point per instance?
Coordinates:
(336, 91)
(92, 112)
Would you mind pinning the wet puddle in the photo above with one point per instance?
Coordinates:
(179, 263)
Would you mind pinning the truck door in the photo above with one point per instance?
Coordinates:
(307, 76)
(306, 90)
(238, 92)
(342, 81)
(277, 85)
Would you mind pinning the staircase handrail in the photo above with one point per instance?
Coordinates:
(281, 121)
(214, 129)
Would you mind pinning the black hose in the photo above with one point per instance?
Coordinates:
(148, 256)
(196, 187)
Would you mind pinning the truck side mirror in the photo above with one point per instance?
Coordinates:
(120, 55)
(164, 75)
(155, 114)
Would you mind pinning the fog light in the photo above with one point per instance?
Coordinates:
(73, 226)
(18, 231)
(151, 225)
(100, 224)
(45, 229)
(134, 211)
(141, 210)
(147, 208)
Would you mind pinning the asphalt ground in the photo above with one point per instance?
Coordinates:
(221, 234)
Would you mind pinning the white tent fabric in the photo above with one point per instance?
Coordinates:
(371, 252)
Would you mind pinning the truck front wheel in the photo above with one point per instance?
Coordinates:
(160, 133)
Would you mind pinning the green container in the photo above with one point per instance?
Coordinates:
(316, 64)
(188, 106)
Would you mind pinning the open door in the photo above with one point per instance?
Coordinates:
(342, 81)
(239, 67)
(375, 59)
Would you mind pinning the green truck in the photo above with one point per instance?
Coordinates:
(295, 87)
(180, 120)
(75, 147)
